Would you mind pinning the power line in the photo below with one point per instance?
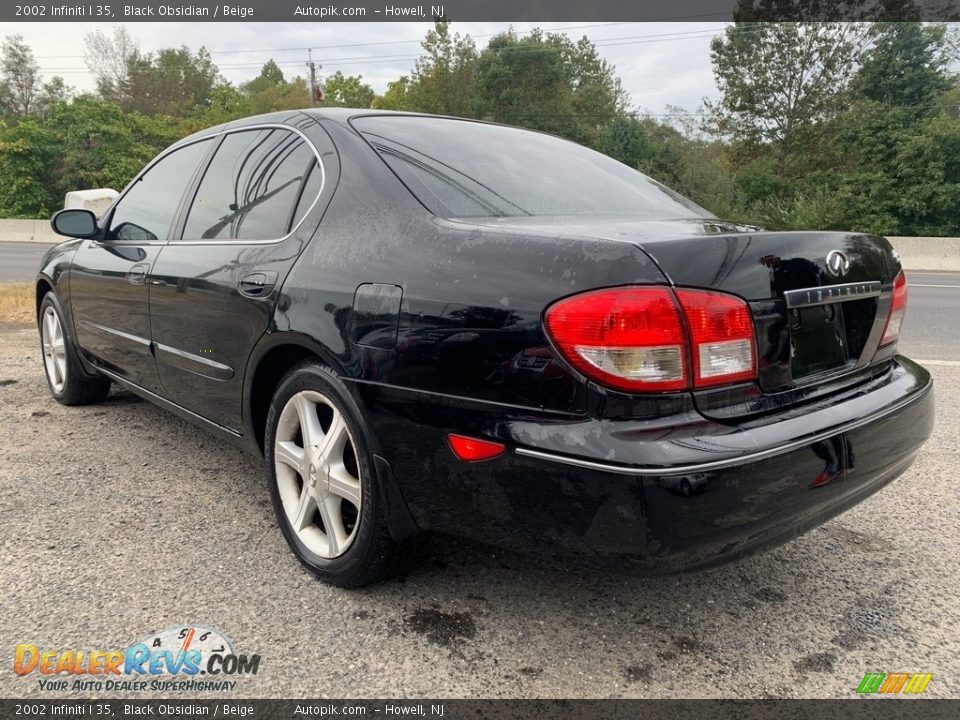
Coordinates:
(368, 59)
(353, 45)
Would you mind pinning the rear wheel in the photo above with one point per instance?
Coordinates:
(322, 481)
(68, 382)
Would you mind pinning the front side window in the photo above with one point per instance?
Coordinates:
(458, 168)
(146, 212)
(253, 187)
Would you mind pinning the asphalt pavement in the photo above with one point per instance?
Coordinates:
(20, 261)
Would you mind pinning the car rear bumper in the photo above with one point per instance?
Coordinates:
(675, 494)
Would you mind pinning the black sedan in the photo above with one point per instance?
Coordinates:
(433, 324)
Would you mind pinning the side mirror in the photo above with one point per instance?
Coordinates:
(75, 223)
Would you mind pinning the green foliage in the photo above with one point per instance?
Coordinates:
(103, 146)
(777, 79)
(172, 81)
(547, 82)
(397, 96)
(270, 76)
(348, 91)
(28, 158)
(444, 79)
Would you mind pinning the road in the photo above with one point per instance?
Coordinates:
(117, 520)
(932, 326)
(20, 261)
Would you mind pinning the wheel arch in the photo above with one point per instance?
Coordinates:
(269, 362)
(43, 286)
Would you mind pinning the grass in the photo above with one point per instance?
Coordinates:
(17, 302)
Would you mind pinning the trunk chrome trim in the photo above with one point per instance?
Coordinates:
(806, 297)
(729, 462)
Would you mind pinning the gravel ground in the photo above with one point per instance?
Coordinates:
(120, 519)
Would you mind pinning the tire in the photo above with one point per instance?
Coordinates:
(326, 478)
(69, 383)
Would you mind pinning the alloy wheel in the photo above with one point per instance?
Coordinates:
(317, 473)
(54, 350)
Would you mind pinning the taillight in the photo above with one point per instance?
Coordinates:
(898, 306)
(721, 337)
(642, 339)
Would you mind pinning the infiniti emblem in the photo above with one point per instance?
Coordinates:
(838, 264)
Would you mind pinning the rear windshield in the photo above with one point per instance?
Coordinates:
(458, 168)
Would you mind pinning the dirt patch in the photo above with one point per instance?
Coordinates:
(770, 595)
(641, 673)
(817, 662)
(870, 618)
(439, 627)
(858, 540)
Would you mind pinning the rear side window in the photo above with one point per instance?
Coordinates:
(253, 187)
(145, 212)
(458, 168)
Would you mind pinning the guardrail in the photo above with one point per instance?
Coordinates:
(916, 253)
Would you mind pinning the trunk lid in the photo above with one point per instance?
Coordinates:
(819, 299)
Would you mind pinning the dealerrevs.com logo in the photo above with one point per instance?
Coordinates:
(185, 658)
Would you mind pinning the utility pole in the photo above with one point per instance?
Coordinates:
(313, 77)
(315, 92)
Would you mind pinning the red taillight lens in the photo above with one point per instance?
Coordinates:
(721, 337)
(628, 338)
(898, 308)
(471, 449)
(634, 338)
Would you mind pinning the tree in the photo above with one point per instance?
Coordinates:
(292, 95)
(20, 80)
(28, 157)
(396, 97)
(101, 145)
(108, 58)
(547, 82)
(779, 79)
(444, 79)
(172, 81)
(906, 66)
(348, 91)
(270, 76)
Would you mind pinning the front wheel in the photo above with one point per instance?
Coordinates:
(68, 382)
(322, 481)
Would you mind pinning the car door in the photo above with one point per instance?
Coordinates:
(108, 290)
(213, 288)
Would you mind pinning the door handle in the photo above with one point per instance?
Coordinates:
(257, 284)
(137, 275)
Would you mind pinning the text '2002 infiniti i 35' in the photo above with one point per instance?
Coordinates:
(428, 323)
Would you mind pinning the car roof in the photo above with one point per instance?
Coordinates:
(288, 117)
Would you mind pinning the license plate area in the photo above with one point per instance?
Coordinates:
(829, 326)
(817, 340)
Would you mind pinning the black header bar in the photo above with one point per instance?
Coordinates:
(473, 10)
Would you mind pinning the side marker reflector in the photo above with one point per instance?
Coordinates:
(471, 449)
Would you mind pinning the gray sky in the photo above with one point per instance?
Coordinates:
(660, 64)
